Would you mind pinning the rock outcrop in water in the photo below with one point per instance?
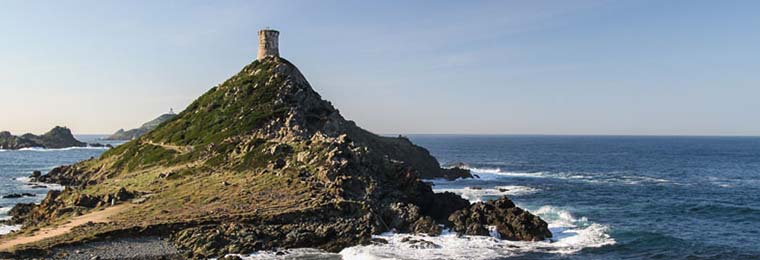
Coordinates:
(262, 162)
(127, 135)
(510, 222)
(58, 137)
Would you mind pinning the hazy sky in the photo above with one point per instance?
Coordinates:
(489, 67)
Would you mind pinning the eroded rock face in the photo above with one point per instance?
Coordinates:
(511, 222)
(328, 228)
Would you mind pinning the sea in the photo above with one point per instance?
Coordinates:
(604, 197)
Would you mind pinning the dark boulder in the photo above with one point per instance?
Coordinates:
(19, 212)
(419, 243)
(441, 205)
(511, 222)
(408, 218)
(87, 201)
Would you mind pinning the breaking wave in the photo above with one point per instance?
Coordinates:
(5, 229)
(609, 178)
(570, 236)
(40, 149)
(476, 194)
(28, 183)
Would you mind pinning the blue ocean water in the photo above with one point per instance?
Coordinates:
(657, 197)
(16, 166)
(605, 197)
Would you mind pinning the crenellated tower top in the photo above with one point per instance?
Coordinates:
(268, 44)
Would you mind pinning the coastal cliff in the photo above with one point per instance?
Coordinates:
(58, 137)
(263, 162)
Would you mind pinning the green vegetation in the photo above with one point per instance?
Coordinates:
(234, 108)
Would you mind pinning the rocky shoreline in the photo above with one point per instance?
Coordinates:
(57, 138)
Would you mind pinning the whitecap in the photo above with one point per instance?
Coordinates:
(28, 183)
(477, 194)
(5, 229)
(490, 174)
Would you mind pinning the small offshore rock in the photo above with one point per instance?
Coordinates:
(18, 195)
(511, 222)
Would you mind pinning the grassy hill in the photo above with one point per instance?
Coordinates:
(257, 162)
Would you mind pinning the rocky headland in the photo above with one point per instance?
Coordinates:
(58, 137)
(259, 162)
(126, 135)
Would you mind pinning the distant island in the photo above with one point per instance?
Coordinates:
(122, 135)
(58, 137)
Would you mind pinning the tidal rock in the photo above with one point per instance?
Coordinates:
(511, 222)
(419, 243)
(18, 195)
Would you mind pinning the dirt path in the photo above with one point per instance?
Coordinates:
(95, 217)
(176, 148)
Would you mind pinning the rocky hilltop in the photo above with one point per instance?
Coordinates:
(127, 135)
(261, 161)
(58, 137)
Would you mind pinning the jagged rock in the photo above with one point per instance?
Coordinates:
(123, 195)
(419, 243)
(19, 212)
(408, 218)
(67, 175)
(442, 205)
(87, 201)
(511, 222)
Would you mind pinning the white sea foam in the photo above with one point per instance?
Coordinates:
(5, 229)
(297, 253)
(496, 173)
(40, 149)
(28, 183)
(570, 235)
(477, 194)
(490, 173)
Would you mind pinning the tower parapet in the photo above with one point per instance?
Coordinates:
(268, 44)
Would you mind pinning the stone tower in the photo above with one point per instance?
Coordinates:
(268, 44)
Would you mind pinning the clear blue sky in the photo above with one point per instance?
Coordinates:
(488, 67)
